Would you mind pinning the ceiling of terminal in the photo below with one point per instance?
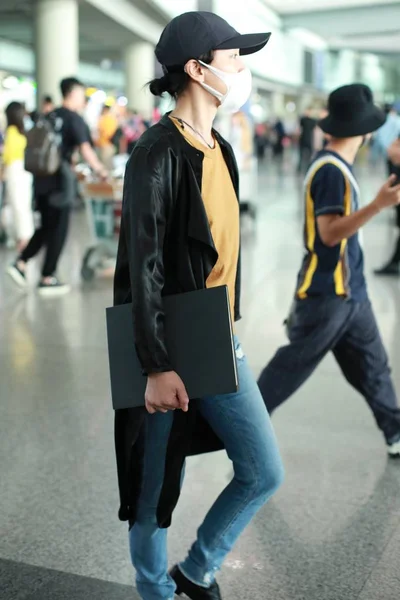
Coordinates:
(100, 37)
(295, 6)
(154, 9)
(368, 25)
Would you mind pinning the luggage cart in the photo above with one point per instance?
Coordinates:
(103, 203)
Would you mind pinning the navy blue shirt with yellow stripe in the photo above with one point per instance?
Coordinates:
(330, 189)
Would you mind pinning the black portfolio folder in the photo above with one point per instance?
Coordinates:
(199, 339)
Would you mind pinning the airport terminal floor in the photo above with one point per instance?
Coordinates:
(332, 532)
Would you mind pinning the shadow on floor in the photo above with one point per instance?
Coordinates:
(19, 581)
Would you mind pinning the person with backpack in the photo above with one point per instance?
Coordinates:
(18, 181)
(51, 145)
(332, 311)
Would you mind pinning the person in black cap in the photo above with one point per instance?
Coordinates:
(331, 310)
(180, 233)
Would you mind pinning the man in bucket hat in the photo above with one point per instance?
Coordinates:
(331, 310)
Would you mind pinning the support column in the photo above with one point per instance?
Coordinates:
(139, 70)
(305, 101)
(278, 104)
(207, 5)
(57, 44)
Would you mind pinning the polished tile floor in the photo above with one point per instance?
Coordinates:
(331, 533)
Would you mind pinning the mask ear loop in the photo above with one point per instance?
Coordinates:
(218, 95)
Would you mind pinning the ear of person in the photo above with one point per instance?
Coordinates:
(194, 69)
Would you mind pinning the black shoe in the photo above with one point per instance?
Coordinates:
(17, 275)
(193, 591)
(54, 287)
(392, 268)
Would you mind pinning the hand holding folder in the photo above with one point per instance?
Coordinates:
(199, 339)
(166, 391)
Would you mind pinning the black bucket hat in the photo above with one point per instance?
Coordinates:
(194, 34)
(352, 112)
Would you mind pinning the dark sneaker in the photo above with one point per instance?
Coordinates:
(17, 275)
(193, 591)
(391, 269)
(53, 288)
(393, 447)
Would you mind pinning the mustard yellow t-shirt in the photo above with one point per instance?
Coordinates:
(222, 210)
(14, 145)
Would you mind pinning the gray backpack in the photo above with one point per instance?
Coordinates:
(43, 148)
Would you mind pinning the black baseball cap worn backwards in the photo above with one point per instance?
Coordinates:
(194, 34)
(352, 112)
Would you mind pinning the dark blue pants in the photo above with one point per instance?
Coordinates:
(348, 329)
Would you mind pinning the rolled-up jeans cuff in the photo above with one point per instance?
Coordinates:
(202, 580)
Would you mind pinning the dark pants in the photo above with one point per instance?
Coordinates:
(52, 234)
(395, 170)
(349, 330)
(305, 154)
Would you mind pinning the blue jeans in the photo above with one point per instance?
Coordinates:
(242, 423)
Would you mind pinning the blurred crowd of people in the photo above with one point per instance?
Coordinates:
(25, 195)
(115, 133)
(277, 136)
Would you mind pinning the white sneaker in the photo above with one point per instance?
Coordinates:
(394, 449)
(17, 275)
(53, 288)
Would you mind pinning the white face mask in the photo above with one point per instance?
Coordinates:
(238, 88)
